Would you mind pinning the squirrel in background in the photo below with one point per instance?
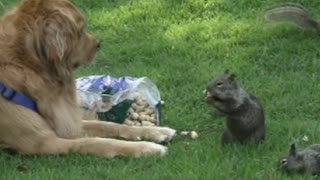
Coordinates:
(302, 161)
(294, 13)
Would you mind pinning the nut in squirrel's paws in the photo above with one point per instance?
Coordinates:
(204, 92)
(207, 95)
(305, 138)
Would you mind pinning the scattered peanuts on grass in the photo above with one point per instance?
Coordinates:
(193, 134)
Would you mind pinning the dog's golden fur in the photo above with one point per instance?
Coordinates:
(41, 43)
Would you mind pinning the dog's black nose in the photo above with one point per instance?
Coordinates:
(98, 45)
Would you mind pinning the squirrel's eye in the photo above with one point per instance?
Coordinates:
(283, 162)
(219, 84)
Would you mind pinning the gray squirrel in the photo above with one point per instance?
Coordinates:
(303, 161)
(291, 12)
(245, 122)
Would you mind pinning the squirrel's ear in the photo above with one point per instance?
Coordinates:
(232, 77)
(293, 150)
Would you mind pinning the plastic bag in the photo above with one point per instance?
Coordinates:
(110, 98)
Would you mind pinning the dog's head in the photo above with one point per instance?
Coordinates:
(54, 33)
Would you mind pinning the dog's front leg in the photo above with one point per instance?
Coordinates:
(104, 129)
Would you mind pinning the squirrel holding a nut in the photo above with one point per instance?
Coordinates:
(290, 12)
(303, 161)
(245, 115)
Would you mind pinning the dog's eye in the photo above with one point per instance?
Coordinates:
(76, 65)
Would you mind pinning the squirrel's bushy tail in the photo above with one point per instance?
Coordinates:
(290, 12)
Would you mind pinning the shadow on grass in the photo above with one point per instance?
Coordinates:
(88, 5)
(159, 28)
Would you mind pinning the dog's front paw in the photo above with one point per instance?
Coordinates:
(150, 148)
(160, 134)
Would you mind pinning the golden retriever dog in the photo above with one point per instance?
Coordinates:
(41, 43)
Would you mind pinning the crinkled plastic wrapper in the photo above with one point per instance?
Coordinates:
(109, 99)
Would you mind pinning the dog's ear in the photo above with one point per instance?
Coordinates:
(53, 32)
(57, 36)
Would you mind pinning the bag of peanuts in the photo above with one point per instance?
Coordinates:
(128, 100)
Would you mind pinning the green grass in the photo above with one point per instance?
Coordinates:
(181, 45)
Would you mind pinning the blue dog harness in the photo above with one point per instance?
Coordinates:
(18, 97)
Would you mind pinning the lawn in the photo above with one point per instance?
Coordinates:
(181, 45)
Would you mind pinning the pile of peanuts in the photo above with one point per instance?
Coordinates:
(141, 113)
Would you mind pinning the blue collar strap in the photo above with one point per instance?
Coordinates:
(17, 97)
